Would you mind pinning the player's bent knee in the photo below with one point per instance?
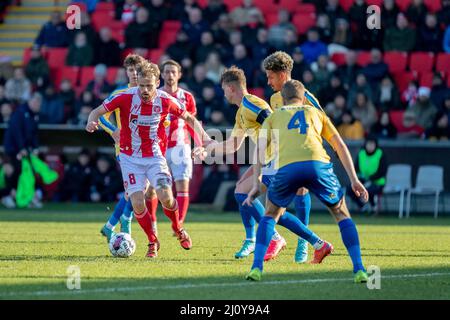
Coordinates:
(302, 191)
(339, 210)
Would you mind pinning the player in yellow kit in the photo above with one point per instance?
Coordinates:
(123, 209)
(296, 131)
(278, 68)
(251, 114)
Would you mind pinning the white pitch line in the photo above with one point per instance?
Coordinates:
(209, 285)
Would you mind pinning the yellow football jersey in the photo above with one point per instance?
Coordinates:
(297, 133)
(276, 101)
(251, 114)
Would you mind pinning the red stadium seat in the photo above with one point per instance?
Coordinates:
(304, 21)
(338, 58)
(426, 79)
(346, 4)
(402, 79)
(397, 119)
(363, 58)
(443, 62)
(26, 56)
(81, 5)
(54, 162)
(102, 19)
(421, 61)
(118, 35)
(112, 74)
(87, 74)
(403, 4)
(171, 25)
(203, 3)
(257, 92)
(433, 5)
(448, 80)
(66, 72)
(166, 38)
(396, 61)
(290, 5)
(266, 6)
(56, 57)
(231, 4)
(271, 19)
(305, 8)
(104, 6)
(374, 2)
(155, 54)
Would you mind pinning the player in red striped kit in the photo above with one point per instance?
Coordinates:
(143, 142)
(178, 154)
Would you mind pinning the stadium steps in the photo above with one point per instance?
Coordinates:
(22, 24)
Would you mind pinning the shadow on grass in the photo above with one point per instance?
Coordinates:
(405, 283)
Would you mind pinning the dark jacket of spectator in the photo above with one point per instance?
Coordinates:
(142, 33)
(181, 48)
(77, 178)
(106, 49)
(37, 70)
(430, 35)
(440, 130)
(400, 37)
(374, 72)
(105, 182)
(386, 95)
(52, 110)
(389, 12)
(195, 26)
(416, 12)
(384, 129)
(80, 52)
(53, 33)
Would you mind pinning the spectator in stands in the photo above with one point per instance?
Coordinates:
(7, 190)
(290, 41)
(299, 65)
(334, 11)
(336, 109)
(410, 128)
(401, 37)
(241, 15)
(350, 128)
(333, 88)
(439, 91)
(226, 50)
(222, 29)
(359, 86)
(416, 12)
(324, 28)
(322, 70)
(83, 107)
(158, 11)
(358, 14)
(313, 47)
(76, 182)
(213, 10)
(195, 26)
(364, 111)
(446, 40)
(212, 108)
(205, 48)
(447, 106)
(67, 94)
(430, 35)
(389, 13)
(37, 69)
(18, 88)
(214, 66)
(376, 70)
(181, 9)
(349, 70)
(384, 129)
(242, 61)
(409, 95)
(121, 80)
(99, 86)
(440, 130)
(211, 184)
(6, 110)
(371, 168)
(3, 98)
(86, 27)
(310, 82)
(105, 182)
(80, 52)
(261, 48)
(142, 33)
(106, 49)
(53, 33)
(52, 109)
(129, 10)
(424, 109)
(199, 80)
(181, 48)
(277, 31)
(342, 37)
(386, 96)
(260, 81)
(444, 13)
(251, 28)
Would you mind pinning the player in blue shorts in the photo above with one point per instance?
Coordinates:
(294, 133)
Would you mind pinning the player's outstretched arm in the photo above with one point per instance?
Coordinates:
(344, 155)
(92, 122)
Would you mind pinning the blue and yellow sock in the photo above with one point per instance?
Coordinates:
(115, 216)
(350, 238)
(246, 216)
(291, 222)
(266, 228)
(303, 207)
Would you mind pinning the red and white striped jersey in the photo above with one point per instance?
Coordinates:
(179, 131)
(143, 133)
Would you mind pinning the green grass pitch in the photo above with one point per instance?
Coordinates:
(38, 246)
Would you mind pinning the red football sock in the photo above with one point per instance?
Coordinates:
(152, 206)
(146, 224)
(173, 215)
(183, 204)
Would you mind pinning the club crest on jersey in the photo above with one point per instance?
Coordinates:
(157, 109)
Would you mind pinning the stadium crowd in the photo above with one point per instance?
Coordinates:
(336, 56)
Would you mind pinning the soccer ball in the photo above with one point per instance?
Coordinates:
(122, 245)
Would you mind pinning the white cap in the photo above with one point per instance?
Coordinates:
(424, 91)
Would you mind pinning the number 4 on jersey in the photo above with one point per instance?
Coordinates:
(298, 121)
